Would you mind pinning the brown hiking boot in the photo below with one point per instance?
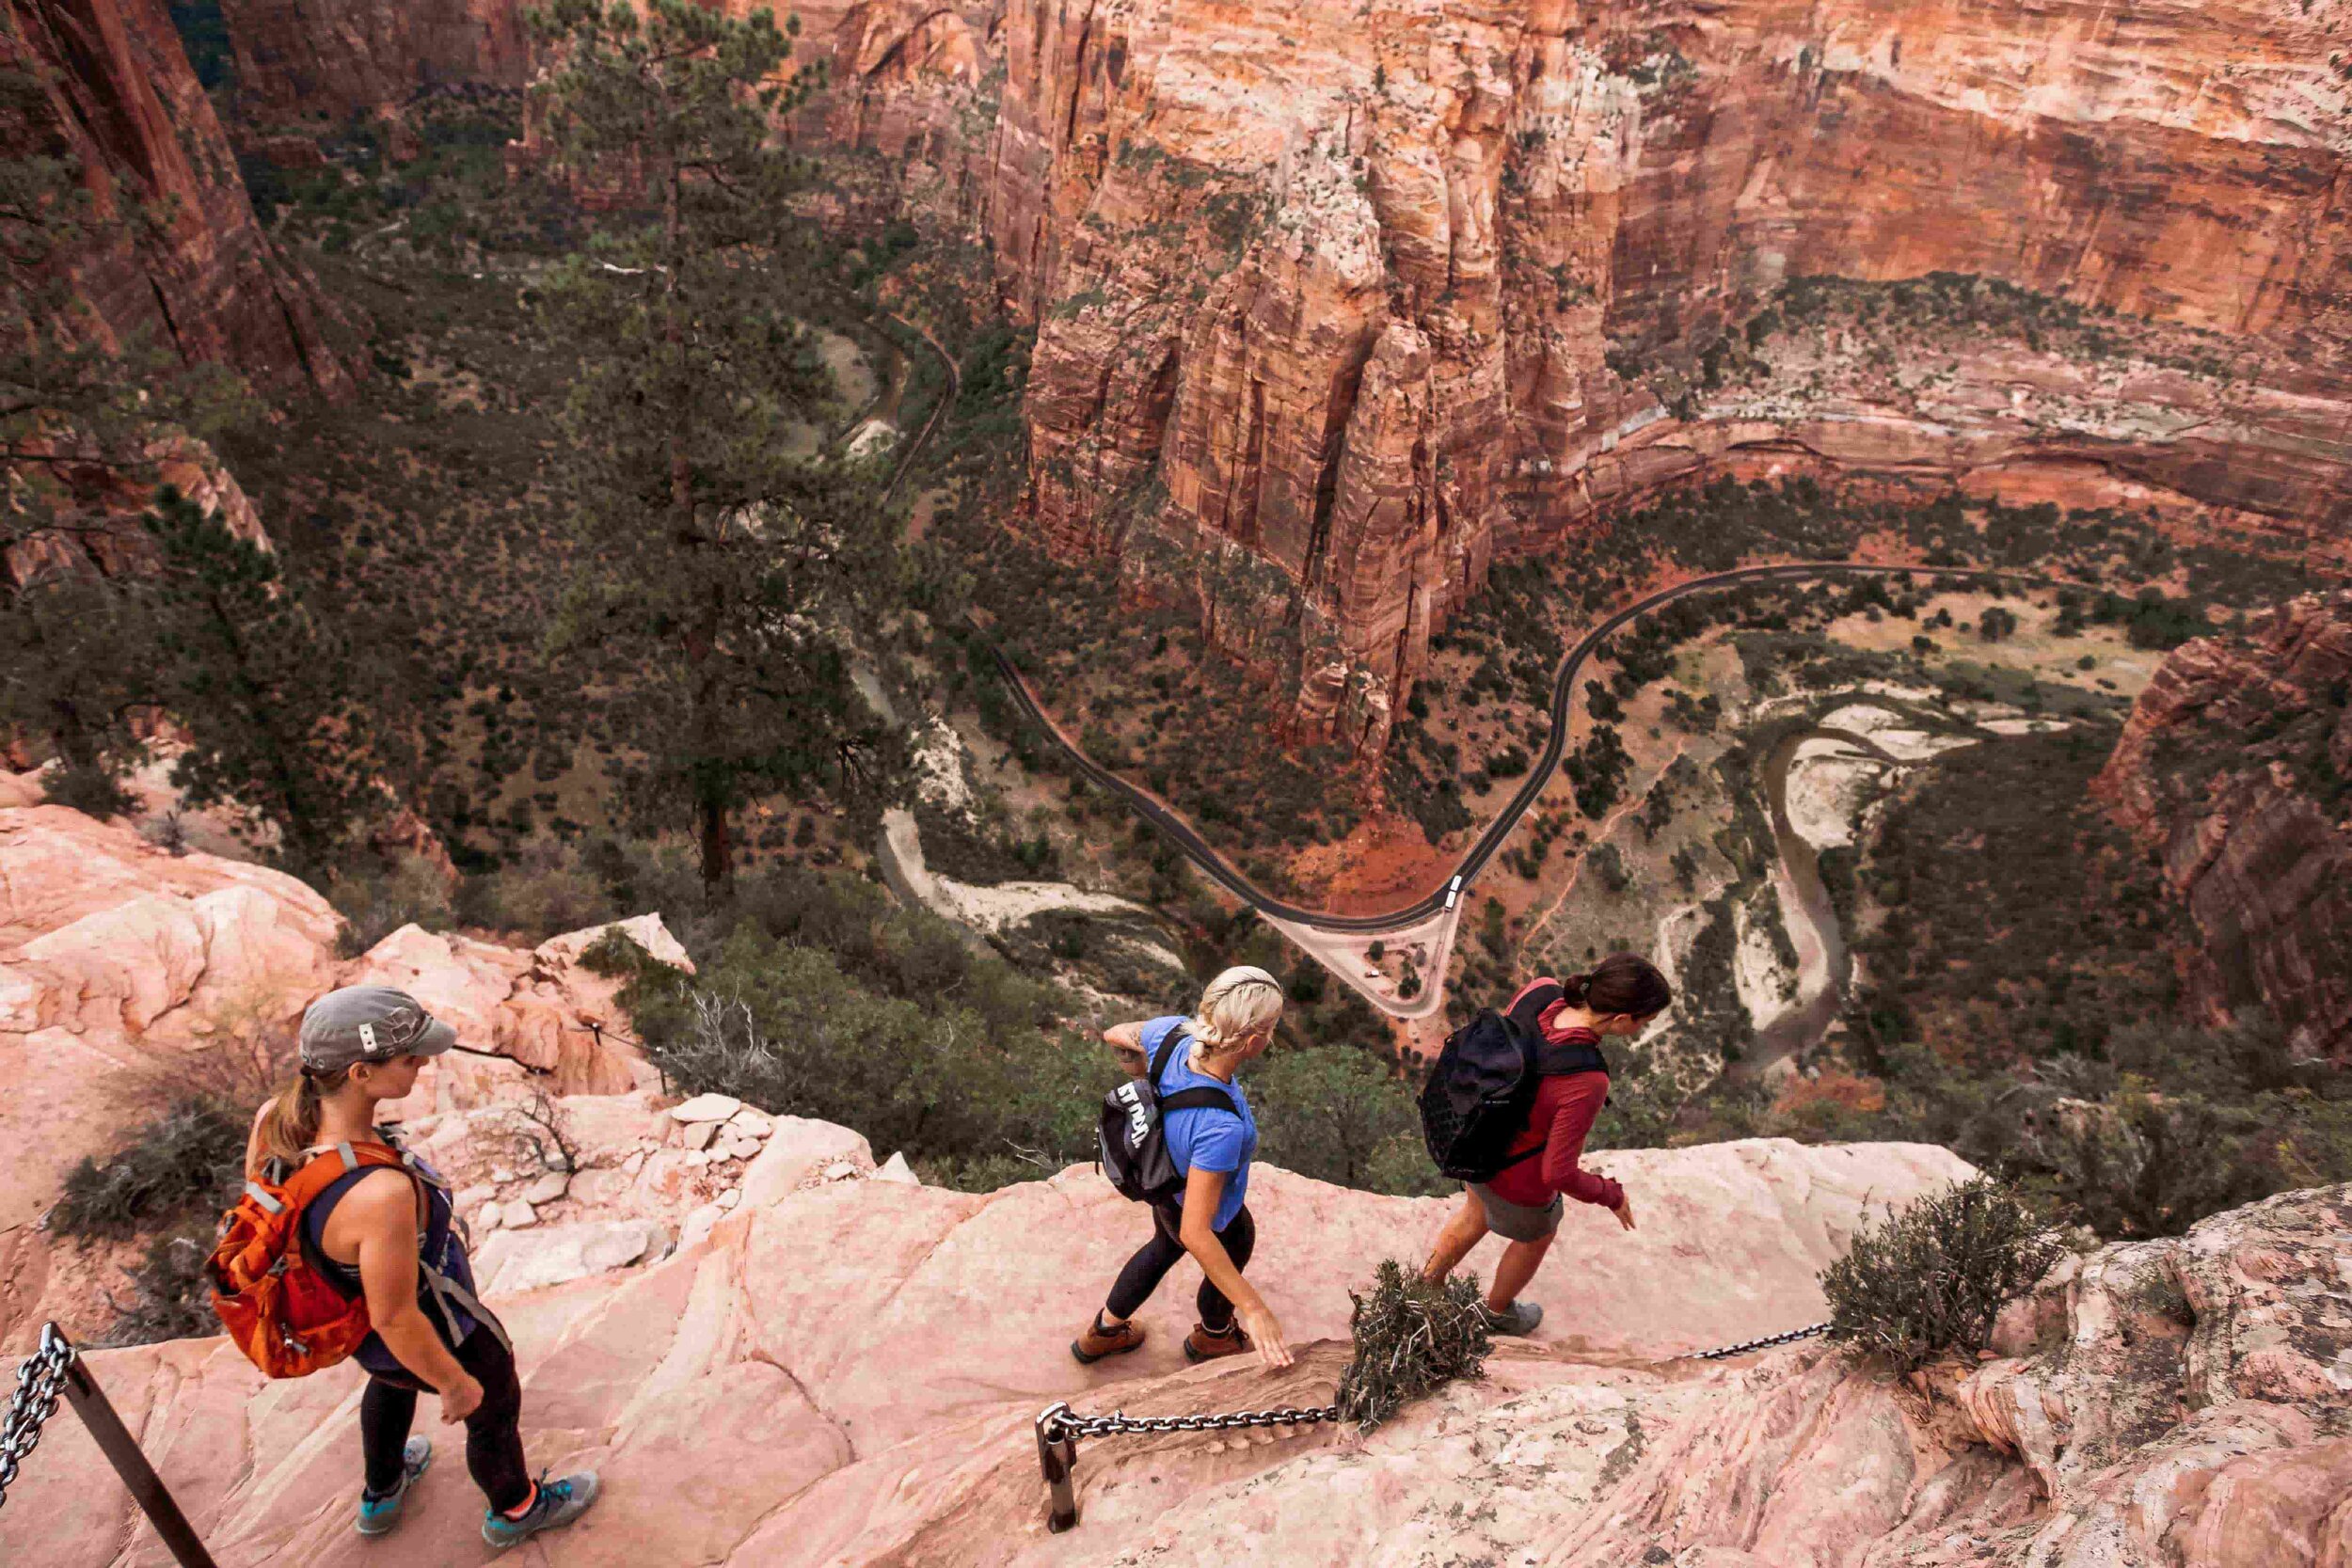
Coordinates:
(1094, 1344)
(1202, 1345)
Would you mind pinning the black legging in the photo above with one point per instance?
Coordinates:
(494, 1440)
(1148, 1267)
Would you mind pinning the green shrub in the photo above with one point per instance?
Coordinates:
(1930, 1279)
(958, 1076)
(614, 955)
(1412, 1337)
(378, 901)
(1339, 1115)
(550, 890)
(186, 1160)
(89, 789)
(171, 1298)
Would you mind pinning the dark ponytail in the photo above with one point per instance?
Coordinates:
(1621, 982)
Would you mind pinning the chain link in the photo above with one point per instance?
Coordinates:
(1747, 1345)
(40, 1382)
(1065, 1426)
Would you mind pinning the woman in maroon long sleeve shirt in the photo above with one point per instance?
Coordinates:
(1524, 1202)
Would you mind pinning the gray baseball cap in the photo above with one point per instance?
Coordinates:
(368, 1023)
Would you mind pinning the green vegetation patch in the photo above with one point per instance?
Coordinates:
(1929, 1281)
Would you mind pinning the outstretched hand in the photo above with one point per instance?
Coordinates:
(1624, 1210)
(1265, 1329)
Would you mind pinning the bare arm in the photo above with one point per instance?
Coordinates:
(1202, 1190)
(1126, 1043)
(383, 1211)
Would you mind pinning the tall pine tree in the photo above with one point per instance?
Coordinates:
(725, 573)
(271, 693)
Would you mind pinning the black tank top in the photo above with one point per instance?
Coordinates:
(441, 1247)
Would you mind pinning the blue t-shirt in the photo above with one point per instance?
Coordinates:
(1201, 1136)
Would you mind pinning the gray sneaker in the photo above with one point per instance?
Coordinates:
(378, 1515)
(559, 1503)
(1519, 1319)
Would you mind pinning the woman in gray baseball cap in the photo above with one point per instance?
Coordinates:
(387, 1233)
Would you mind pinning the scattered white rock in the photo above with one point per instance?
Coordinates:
(753, 1120)
(741, 1146)
(702, 1134)
(896, 1169)
(706, 1107)
(840, 1170)
(469, 1200)
(517, 1214)
(698, 1223)
(549, 1187)
(729, 1198)
(488, 1217)
(700, 1158)
(635, 1162)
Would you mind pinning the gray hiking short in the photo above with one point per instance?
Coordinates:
(1517, 1222)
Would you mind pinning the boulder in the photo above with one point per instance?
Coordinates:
(512, 1262)
(706, 1107)
(548, 1188)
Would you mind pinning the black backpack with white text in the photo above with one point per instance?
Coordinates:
(1133, 1129)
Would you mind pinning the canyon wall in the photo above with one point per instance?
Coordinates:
(333, 60)
(174, 249)
(1336, 302)
(2236, 772)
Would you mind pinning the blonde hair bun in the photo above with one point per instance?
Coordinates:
(1245, 1000)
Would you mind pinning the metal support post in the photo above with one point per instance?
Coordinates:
(1058, 1457)
(122, 1451)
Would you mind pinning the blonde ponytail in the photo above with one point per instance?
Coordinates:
(1243, 1001)
(290, 1123)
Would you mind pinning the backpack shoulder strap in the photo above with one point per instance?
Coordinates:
(1166, 1054)
(1198, 1098)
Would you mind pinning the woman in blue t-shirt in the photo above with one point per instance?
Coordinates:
(1213, 1146)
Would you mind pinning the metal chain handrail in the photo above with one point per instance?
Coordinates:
(39, 1384)
(1061, 1424)
(1059, 1428)
(1746, 1345)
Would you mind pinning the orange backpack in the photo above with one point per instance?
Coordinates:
(287, 1318)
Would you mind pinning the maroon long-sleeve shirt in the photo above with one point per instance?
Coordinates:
(1565, 1105)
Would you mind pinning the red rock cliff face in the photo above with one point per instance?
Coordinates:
(1374, 290)
(331, 59)
(120, 96)
(2236, 769)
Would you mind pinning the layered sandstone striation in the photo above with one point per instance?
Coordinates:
(846, 1368)
(175, 252)
(2235, 771)
(1371, 293)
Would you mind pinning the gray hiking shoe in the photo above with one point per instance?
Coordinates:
(378, 1515)
(559, 1503)
(1519, 1319)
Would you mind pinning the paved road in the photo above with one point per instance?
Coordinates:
(1564, 687)
(931, 426)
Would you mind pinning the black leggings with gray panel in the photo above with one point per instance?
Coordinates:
(494, 1442)
(1148, 1266)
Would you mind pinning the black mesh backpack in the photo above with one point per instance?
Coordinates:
(1134, 1137)
(1478, 1098)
